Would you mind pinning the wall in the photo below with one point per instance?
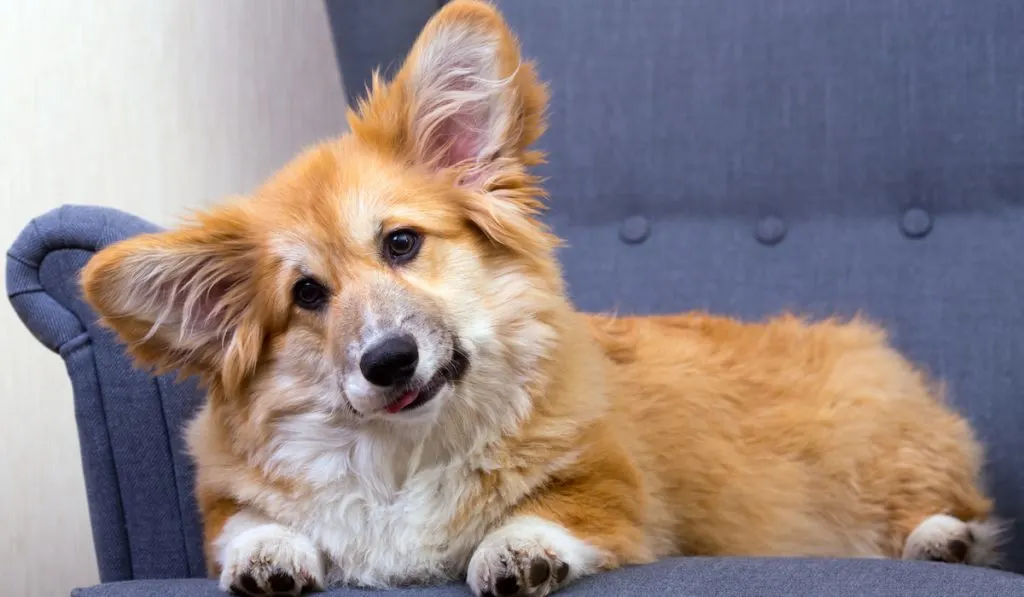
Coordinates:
(152, 107)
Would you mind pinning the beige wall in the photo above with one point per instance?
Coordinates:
(152, 107)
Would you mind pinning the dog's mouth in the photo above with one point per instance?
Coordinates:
(415, 397)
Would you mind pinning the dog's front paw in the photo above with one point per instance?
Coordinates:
(529, 557)
(271, 560)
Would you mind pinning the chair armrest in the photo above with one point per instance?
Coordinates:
(138, 476)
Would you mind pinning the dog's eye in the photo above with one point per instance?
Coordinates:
(401, 246)
(309, 294)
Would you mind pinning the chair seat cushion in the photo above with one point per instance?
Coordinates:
(700, 577)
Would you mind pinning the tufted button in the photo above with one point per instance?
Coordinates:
(635, 230)
(916, 223)
(770, 230)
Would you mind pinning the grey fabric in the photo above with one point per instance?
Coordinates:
(370, 34)
(138, 478)
(698, 577)
(802, 107)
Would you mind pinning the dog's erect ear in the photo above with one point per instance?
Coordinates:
(464, 103)
(183, 299)
(463, 98)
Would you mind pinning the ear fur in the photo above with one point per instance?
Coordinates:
(183, 299)
(465, 105)
(463, 98)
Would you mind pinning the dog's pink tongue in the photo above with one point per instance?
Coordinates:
(403, 401)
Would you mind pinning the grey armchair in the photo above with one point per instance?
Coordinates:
(741, 156)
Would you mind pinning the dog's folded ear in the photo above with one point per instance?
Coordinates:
(183, 299)
(463, 99)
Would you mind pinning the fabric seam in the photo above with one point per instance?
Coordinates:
(174, 472)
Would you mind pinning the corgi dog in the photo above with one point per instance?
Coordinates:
(400, 391)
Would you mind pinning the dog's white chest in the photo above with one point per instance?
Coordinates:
(374, 537)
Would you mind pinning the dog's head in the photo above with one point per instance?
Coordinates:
(381, 279)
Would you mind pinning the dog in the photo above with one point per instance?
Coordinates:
(400, 391)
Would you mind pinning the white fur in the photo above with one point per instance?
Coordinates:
(253, 544)
(931, 540)
(385, 514)
(511, 549)
(376, 535)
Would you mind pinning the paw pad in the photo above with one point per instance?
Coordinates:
(277, 583)
(521, 574)
(540, 570)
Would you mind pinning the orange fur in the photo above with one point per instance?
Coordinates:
(641, 437)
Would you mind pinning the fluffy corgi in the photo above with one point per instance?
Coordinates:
(399, 391)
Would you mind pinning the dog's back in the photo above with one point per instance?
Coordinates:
(789, 438)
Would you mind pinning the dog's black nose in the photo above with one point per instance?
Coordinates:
(391, 361)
